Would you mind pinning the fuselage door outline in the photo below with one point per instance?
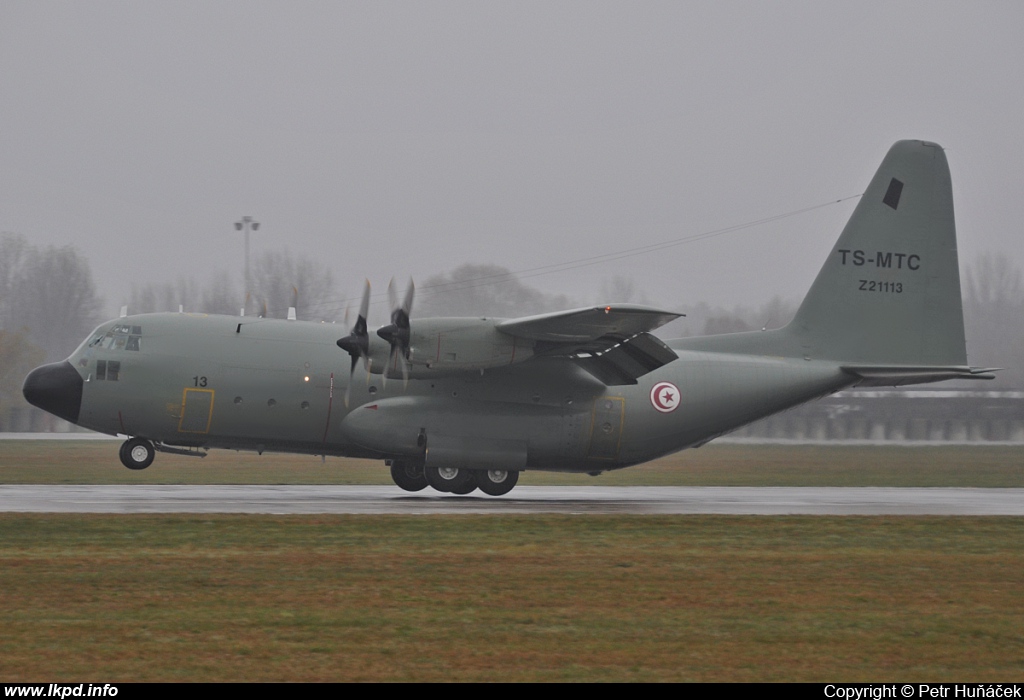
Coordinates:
(196, 411)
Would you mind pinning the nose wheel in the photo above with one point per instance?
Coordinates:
(137, 453)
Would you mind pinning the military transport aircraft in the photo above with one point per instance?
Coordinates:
(471, 402)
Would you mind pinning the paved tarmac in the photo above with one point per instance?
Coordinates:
(724, 440)
(732, 500)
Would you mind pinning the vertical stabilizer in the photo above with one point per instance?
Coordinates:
(889, 292)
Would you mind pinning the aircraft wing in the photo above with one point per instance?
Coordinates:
(611, 342)
(582, 325)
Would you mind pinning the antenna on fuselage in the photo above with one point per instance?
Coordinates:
(295, 302)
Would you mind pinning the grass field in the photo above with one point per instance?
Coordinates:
(95, 462)
(519, 598)
(489, 598)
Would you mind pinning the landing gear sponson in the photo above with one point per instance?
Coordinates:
(416, 477)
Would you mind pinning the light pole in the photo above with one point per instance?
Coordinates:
(247, 224)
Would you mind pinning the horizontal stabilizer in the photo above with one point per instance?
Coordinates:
(899, 375)
(583, 325)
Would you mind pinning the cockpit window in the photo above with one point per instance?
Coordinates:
(123, 336)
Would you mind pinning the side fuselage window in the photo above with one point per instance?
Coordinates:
(108, 370)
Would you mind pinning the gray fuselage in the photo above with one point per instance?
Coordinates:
(263, 384)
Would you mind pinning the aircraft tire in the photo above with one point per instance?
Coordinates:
(469, 487)
(447, 479)
(497, 482)
(137, 453)
(408, 476)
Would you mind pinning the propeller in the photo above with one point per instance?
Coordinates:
(357, 343)
(397, 334)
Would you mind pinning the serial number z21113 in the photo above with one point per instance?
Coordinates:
(884, 287)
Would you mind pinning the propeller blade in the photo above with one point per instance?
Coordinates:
(351, 373)
(364, 305)
(405, 372)
(364, 310)
(398, 333)
(392, 295)
(392, 361)
(357, 342)
(407, 302)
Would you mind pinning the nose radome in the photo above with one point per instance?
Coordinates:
(55, 388)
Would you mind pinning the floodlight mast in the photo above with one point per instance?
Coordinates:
(246, 224)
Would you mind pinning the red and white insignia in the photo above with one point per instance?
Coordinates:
(665, 397)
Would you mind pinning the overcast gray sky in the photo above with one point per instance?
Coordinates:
(407, 138)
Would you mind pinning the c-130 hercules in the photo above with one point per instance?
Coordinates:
(585, 390)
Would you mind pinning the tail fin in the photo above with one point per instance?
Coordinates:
(889, 293)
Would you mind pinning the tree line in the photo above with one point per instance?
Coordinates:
(49, 303)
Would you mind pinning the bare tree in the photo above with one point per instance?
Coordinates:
(993, 282)
(622, 290)
(484, 290)
(220, 296)
(13, 250)
(167, 296)
(704, 319)
(280, 281)
(994, 316)
(48, 294)
(17, 358)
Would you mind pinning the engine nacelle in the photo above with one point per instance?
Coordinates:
(442, 346)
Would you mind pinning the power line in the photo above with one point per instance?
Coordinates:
(597, 259)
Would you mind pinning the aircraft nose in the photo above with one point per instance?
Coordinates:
(56, 388)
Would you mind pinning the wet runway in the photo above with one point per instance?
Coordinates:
(666, 500)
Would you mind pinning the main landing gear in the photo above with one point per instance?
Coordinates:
(409, 476)
(496, 482)
(415, 477)
(137, 453)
